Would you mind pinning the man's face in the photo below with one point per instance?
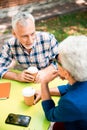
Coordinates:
(25, 33)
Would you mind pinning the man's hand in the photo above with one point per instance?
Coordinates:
(48, 73)
(25, 76)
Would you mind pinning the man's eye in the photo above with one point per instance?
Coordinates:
(32, 34)
(24, 36)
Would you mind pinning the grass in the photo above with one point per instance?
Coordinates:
(64, 25)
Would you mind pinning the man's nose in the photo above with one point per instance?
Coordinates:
(30, 39)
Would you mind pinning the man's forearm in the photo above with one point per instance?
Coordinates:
(11, 75)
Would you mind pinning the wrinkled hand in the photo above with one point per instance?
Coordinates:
(25, 76)
(46, 76)
(37, 96)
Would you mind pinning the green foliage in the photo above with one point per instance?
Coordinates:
(64, 25)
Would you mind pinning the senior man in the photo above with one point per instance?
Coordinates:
(29, 48)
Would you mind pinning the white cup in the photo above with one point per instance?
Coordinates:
(33, 70)
(28, 93)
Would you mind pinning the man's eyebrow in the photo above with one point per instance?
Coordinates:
(23, 35)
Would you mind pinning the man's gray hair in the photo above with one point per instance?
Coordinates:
(73, 52)
(21, 17)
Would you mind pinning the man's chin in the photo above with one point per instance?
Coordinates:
(28, 48)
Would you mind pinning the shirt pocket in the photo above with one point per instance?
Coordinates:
(43, 60)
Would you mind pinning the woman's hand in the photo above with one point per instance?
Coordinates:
(46, 76)
(37, 96)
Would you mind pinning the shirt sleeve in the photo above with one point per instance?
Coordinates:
(5, 59)
(62, 111)
(63, 89)
(65, 110)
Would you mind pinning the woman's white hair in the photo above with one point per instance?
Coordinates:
(73, 52)
(21, 18)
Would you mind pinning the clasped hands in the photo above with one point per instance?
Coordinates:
(49, 74)
(43, 77)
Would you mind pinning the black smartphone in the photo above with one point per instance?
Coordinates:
(17, 119)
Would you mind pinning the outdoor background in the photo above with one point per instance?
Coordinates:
(60, 17)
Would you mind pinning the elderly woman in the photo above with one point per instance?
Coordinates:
(71, 111)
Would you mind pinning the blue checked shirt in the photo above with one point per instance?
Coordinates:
(45, 47)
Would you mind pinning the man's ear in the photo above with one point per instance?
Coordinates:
(13, 32)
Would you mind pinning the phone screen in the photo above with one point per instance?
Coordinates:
(17, 119)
